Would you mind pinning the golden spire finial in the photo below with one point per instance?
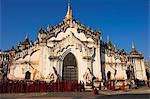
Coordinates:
(26, 37)
(133, 45)
(69, 12)
(108, 39)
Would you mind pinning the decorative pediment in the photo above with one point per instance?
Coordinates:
(62, 28)
(68, 32)
(24, 53)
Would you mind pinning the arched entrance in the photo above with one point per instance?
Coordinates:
(130, 72)
(27, 75)
(70, 70)
(108, 75)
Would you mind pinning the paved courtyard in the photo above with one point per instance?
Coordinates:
(73, 95)
(142, 93)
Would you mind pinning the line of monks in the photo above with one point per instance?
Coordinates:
(39, 86)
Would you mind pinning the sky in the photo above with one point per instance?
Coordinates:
(123, 21)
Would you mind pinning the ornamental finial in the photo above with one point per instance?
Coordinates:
(69, 12)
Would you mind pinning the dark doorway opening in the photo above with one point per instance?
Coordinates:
(108, 75)
(130, 72)
(27, 75)
(70, 70)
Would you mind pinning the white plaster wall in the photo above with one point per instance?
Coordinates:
(109, 68)
(44, 63)
(35, 58)
(140, 69)
(120, 72)
(18, 72)
(144, 70)
(19, 66)
(112, 65)
(97, 64)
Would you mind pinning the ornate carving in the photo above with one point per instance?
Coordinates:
(53, 76)
(87, 57)
(88, 76)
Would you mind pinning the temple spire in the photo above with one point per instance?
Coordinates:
(108, 39)
(133, 51)
(133, 45)
(69, 12)
(26, 39)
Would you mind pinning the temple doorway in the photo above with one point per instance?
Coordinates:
(130, 72)
(108, 75)
(27, 75)
(70, 70)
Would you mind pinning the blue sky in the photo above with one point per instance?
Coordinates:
(123, 20)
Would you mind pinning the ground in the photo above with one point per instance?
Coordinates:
(141, 93)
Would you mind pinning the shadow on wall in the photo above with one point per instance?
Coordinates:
(102, 53)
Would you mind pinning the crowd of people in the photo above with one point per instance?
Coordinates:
(39, 86)
(25, 86)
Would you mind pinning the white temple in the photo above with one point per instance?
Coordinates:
(74, 52)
